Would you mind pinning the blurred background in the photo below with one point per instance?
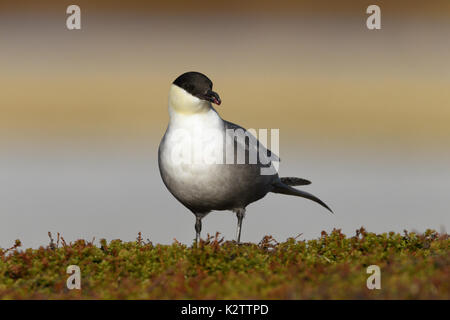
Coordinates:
(364, 114)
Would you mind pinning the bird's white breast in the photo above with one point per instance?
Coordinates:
(193, 141)
(191, 155)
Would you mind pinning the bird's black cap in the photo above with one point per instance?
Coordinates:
(198, 85)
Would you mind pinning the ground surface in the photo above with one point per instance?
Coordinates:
(413, 266)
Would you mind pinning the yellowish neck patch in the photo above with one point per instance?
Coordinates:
(182, 102)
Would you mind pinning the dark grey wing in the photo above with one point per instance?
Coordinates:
(250, 144)
(255, 173)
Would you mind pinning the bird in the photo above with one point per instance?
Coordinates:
(218, 182)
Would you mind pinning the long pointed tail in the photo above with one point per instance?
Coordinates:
(293, 181)
(280, 187)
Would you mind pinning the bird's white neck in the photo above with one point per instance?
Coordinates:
(182, 102)
(185, 110)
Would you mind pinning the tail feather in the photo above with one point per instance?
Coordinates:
(280, 187)
(293, 181)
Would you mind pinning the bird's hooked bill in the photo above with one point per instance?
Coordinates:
(213, 97)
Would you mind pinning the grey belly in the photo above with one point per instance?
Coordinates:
(216, 187)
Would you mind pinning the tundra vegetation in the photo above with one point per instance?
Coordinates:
(334, 266)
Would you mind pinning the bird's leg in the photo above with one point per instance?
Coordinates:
(198, 227)
(240, 213)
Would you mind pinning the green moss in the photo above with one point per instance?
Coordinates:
(330, 267)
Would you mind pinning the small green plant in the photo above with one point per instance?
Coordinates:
(413, 266)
